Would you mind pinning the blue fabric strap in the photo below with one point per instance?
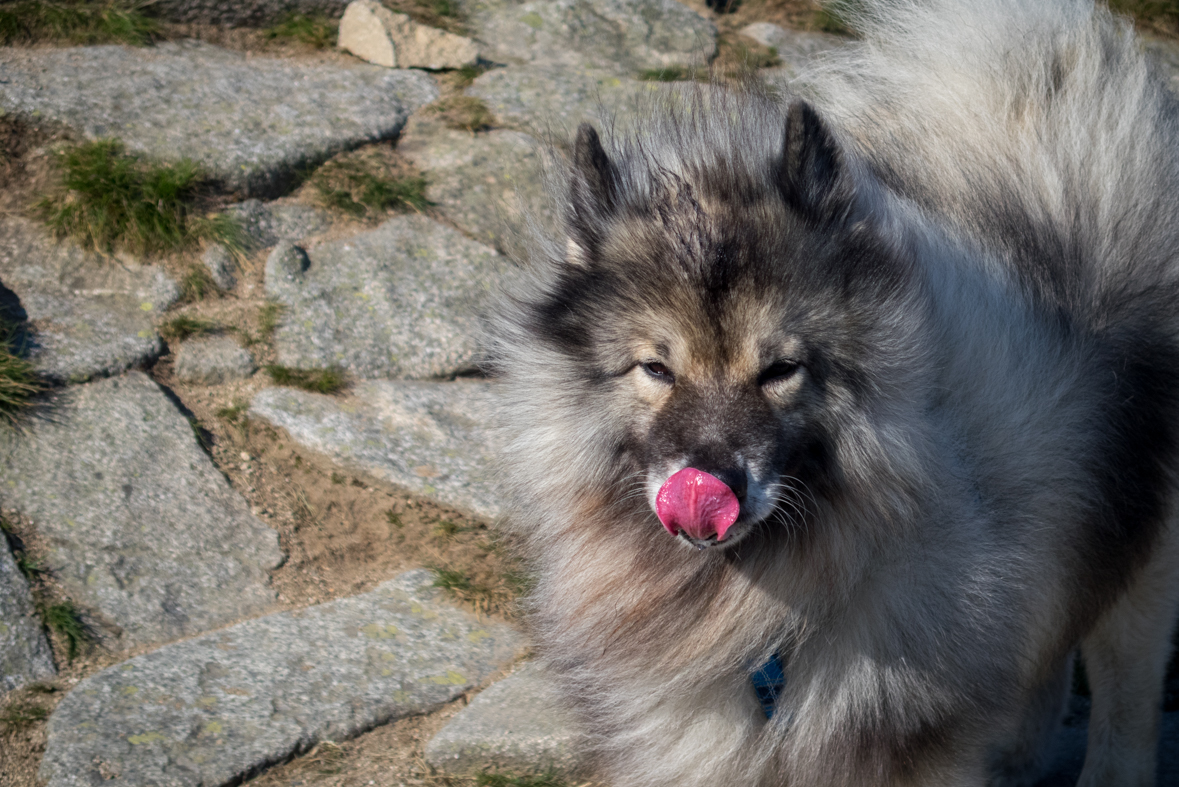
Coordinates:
(768, 682)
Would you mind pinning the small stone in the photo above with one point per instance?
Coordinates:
(213, 361)
(374, 33)
(143, 532)
(286, 263)
(403, 300)
(220, 264)
(434, 439)
(216, 708)
(24, 652)
(517, 724)
(266, 223)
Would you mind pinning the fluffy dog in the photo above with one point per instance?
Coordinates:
(876, 385)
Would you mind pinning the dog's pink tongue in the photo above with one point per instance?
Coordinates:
(697, 503)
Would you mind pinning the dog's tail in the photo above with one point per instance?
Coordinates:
(1040, 127)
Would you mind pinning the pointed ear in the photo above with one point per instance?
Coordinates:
(592, 197)
(813, 175)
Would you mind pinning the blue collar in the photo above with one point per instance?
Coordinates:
(768, 682)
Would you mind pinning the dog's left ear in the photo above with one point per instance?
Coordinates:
(592, 195)
(813, 175)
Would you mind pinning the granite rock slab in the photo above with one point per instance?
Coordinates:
(213, 361)
(515, 725)
(243, 13)
(372, 32)
(400, 301)
(142, 531)
(211, 709)
(252, 123)
(621, 35)
(83, 315)
(491, 185)
(551, 102)
(434, 439)
(25, 656)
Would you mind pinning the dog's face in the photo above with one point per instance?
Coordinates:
(725, 324)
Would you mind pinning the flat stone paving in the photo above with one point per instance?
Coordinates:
(24, 652)
(141, 529)
(87, 315)
(400, 301)
(516, 725)
(251, 123)
(622, 35)
(434, 439)
(207, 710)
(491, 185)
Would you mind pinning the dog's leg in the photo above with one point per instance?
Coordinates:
(1023, 761)
(1126, 657)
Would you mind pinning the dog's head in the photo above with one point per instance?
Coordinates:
(721, 316)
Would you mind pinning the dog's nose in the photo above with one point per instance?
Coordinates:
(735, 479)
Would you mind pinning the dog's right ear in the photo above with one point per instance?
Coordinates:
(592, 196)
(813, 175)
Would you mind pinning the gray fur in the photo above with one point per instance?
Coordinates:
(929, 317)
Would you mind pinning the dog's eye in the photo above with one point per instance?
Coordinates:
(777, 372)
(658, 371)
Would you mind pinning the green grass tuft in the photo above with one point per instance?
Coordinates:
(78, 23)
(184, 327)
(394, 519)
(268, 318)
(18, 381)
(450, 579)
(31, 567)
(197, 284)
(464, 113)
(65, 620)
(467, 74)
(346, 186)
(447, 528)
(324, 381)
(316, 30)
(233, 414)
(237, 417)
(111, 200)
(673, 74)
(20, 715)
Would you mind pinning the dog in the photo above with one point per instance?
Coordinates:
(838, 421)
